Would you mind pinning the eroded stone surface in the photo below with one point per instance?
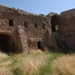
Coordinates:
(26, 30)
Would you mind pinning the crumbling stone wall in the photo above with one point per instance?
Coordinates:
(26, 30)
(8, 26)
(67, 29)
(34, 26)
(63, 29)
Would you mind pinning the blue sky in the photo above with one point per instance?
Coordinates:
(40, 6)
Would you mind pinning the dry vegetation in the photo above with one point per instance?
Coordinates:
(23, 64)
(64, 65)
(37, 63)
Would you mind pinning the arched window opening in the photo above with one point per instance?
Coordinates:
(54, 23)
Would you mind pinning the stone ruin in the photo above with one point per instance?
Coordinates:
(21, 30)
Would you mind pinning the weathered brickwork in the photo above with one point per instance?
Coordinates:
(21, 30)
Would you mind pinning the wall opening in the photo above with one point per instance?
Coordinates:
(39, 45)
(25, 24)
(10, 22)
(35, 25)
(7, 44)
(54, 23)
(43, 26)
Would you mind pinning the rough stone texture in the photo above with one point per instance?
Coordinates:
(49, 41)
(67, 29)
(64, 34)
(23, 30)
(23, 38)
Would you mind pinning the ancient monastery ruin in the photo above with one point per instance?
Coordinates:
(20, 30)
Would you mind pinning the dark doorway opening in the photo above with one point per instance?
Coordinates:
(54, 22)
(25, 24)
(39, 44)
(10, 22)
(7, 44)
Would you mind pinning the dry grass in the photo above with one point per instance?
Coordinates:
(3, 55)
(35, 51)
(4, 64)
(22, 64)
(34, 63)
(5, 71)
(64, 65)
(31, 64)
(37, 63)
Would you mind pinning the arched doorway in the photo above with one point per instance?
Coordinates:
(54, 23)
(7, 43)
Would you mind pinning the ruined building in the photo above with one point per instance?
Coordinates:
(20, 30)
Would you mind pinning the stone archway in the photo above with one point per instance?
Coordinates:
(7, 43)
(54, 23)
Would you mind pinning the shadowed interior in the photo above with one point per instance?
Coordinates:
(39, 45)
(54, 22)
(7, 44)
